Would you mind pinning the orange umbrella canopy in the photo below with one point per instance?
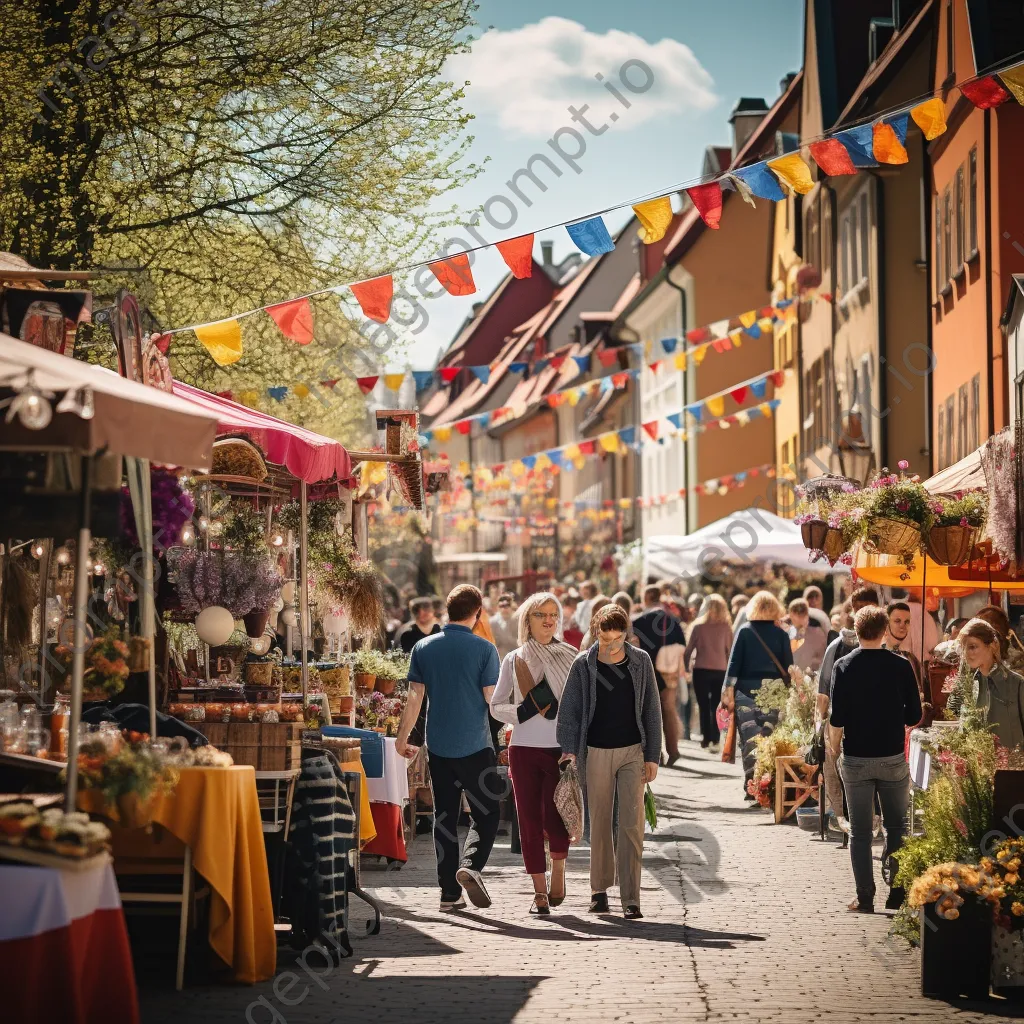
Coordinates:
(887, 571)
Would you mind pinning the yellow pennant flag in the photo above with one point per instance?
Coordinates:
(572, 452)
(625, 502)
(300, 391)
(574, 395)
(249, 398)
(462, 469)
(1014, 81)
(579, 462)
(223, 340)
(737, 339)
(766, 323)
(393, 381)
(715, 406)
(679, 360)
(766, 409)
(930, 117)
(749, 318)
(793, 171)
(543, 462)
(655, 216)
(609, 441)
(698, 354)
(517, 469)
(442, 433)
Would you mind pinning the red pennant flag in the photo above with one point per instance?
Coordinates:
(721, 344)
(738, 395)
(463, 426)
(608, 503)
(754, 472)
(449, 373)
(518, 255)
(698, 488)
(367, 384)
(295, 320)
(832, 157)
(557, 361)
(454, 274)
(498, 467)
(985, 92)
(329, 383)
(162, 342)
(655, 365)
(374, 297)
(556, 399)
(226, 394)
(766, 311)
(586, 447)
(731, 420)
(697, 335)
(708, 201)
(727, 480)
(652, 429)
(778, 377)
(608, 356)
(619, 379)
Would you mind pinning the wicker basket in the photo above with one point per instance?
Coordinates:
(813, 534)
(337, 682)
(949, 545)
(234, 456)
(833, 545)
(893, 537)
(259, 673)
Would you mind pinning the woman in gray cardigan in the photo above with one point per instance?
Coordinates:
(609, 724)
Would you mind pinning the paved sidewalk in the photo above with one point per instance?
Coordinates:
(743, 921)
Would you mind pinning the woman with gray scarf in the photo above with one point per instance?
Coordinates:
(527, 696)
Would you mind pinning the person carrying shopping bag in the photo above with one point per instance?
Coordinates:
(527, 695)
(609, 725)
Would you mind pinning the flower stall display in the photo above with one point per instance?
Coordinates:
(394, 667)
(379, 712)
(106, 665)
(369, 663)
(959, 520)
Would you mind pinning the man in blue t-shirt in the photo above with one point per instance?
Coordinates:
(457, 671)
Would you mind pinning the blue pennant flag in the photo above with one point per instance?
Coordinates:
(785, 303)
(696, 410)
(899, 126)
(754, 413)
(583, 362)
(860, 144)
(529, 461)
(482, 373)
(277, 393)
(627, 435)
(423, 378)
(669, 345)
(606, 384)
(518, 367)
(753, 331)
(774, 404)
(557, 457)
(760, 181)
(676, 419)
(541, 365)
(591, 236)
(484, 419)
(759, 387)
(739, 477)
(635, 374)
(425, 438)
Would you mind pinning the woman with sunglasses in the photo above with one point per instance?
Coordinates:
(527, 696)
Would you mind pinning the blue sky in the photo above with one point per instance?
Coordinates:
(533, 60)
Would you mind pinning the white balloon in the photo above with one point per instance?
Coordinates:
(288, 592)
(215, 625)
(290, 617)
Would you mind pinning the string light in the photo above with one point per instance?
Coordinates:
(38, 549)
(63, 556)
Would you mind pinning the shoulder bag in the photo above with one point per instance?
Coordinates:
(568, 799)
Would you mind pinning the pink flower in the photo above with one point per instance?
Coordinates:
(903, 505)
(960, 827)
(903, 464)
(963, 521)
(846, 558)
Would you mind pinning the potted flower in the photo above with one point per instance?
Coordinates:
(369, 663)
(395, 666)
(106, 665)
(899, 510)
(957, 521)
(1005, 867)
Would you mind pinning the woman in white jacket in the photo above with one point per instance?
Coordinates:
(526, 696)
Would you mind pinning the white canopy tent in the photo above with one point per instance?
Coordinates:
(744, 538)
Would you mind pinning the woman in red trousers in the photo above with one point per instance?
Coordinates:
(529, 688)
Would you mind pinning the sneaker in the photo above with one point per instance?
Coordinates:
(715, 748)
(453, 902)
(472, 881)
(599, 903)
(632, 913)
(843, 823)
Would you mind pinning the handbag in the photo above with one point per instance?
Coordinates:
(729, 746)
(568, 798)
(816, 755)
(669, 663)
(528, 687)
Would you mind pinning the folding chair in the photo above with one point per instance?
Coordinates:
(276, 791)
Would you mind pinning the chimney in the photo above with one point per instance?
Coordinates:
(547, 254)
(786, 82)
(745, 117)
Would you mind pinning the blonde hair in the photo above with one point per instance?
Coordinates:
(529, 606)
(764, 607)
(715, 610)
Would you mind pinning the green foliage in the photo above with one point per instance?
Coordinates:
(772, 695)
(896, 497)
(245, 529)
(373, 662)
(968, 508)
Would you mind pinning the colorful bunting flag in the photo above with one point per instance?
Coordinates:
(930, 117)
(738, 395)
(985, 93)
(696, 411)
(832, 157)
(277, 393)
(464, 426)
(1013, 79)
(518, 367)
(394, 381)
(778, 377)
(748, 319)
(698, 354)
(758, 388)
(518, 255)
(627, 435)
(655, 216)
(887, 141)
(609, 441)
(793, 171)
(654, 367)
(608, 356)
(582, 363)
(715, 405)
(586, 447)
(740, 186)
(557, 362)
(651, 429)
(860, 144)
(455, 274)
(574, 395)
(249, 398)
(529, 461)
(443, 433)
(669, 345)
(300, 391)
(707, 199)
(591, 236)
(295, 320)
(374, 297)
(484, 419)
(449, 373)
(761, 182)
(423, 379)
(223, 340)
(620, 379)
(367, 384)
(482, 373)
(679, 360)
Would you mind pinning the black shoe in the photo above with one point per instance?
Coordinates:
(859, 907)
(632, 913)
(599, 903)
(897, 897)
(748, 796)
(672, 758)
(540, 905)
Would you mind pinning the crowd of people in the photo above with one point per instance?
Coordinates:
(607, 687)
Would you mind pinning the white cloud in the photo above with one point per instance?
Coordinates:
(528, 77)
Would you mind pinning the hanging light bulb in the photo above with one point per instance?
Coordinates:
(32, 409)
(98, 569)
(277, 540)
(63, 556)
(204, 523)
(188, 535)
(38, 549)
(78, 401)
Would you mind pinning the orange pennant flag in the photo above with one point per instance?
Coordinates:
(454, 273)
(518, 255)
(887, 146)
(374, 297)
(295, 320)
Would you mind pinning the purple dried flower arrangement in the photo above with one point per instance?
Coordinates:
(206, 578)
(173, 507)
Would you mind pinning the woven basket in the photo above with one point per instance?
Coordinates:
(893, 537)
(234, 456)
(949, 545)
(833, 545)
(337, 682)
(813, 534)
(259, 673)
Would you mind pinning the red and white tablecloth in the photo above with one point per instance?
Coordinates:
(388, 797)
(64, 953)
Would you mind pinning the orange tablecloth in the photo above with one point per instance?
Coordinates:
(216, 811)
(367, 829)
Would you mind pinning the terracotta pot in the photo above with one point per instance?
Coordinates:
(950, 545)
(813, 534)
(365, 681)
(256, 622)
(133, 812)
(346, 705)
(893, 537)
(385, 686)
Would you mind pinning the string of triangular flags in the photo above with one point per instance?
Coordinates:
(880, 141)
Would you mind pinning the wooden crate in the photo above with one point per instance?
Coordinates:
(244, 754)
(215, 732)
(244, 734)
(280, 746)
(794, 784)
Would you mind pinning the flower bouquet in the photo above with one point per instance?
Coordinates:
(958, 520)
(106, 665)
(228, 579)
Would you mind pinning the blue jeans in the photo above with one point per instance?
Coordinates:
(863, 777)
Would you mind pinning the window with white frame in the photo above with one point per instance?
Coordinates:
(855, 241)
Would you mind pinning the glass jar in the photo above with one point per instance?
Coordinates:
(195, 713)
(59, 718)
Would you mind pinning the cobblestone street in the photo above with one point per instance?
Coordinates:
(744, 920)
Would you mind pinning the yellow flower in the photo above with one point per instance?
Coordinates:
(1014, 864)
(1017, 909)
(1003, 855)
(1011, 879)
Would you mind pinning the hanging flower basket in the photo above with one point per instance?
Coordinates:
(813, 534)
(256, 622)
(833, 545)
(950, 545)
(893, 537)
